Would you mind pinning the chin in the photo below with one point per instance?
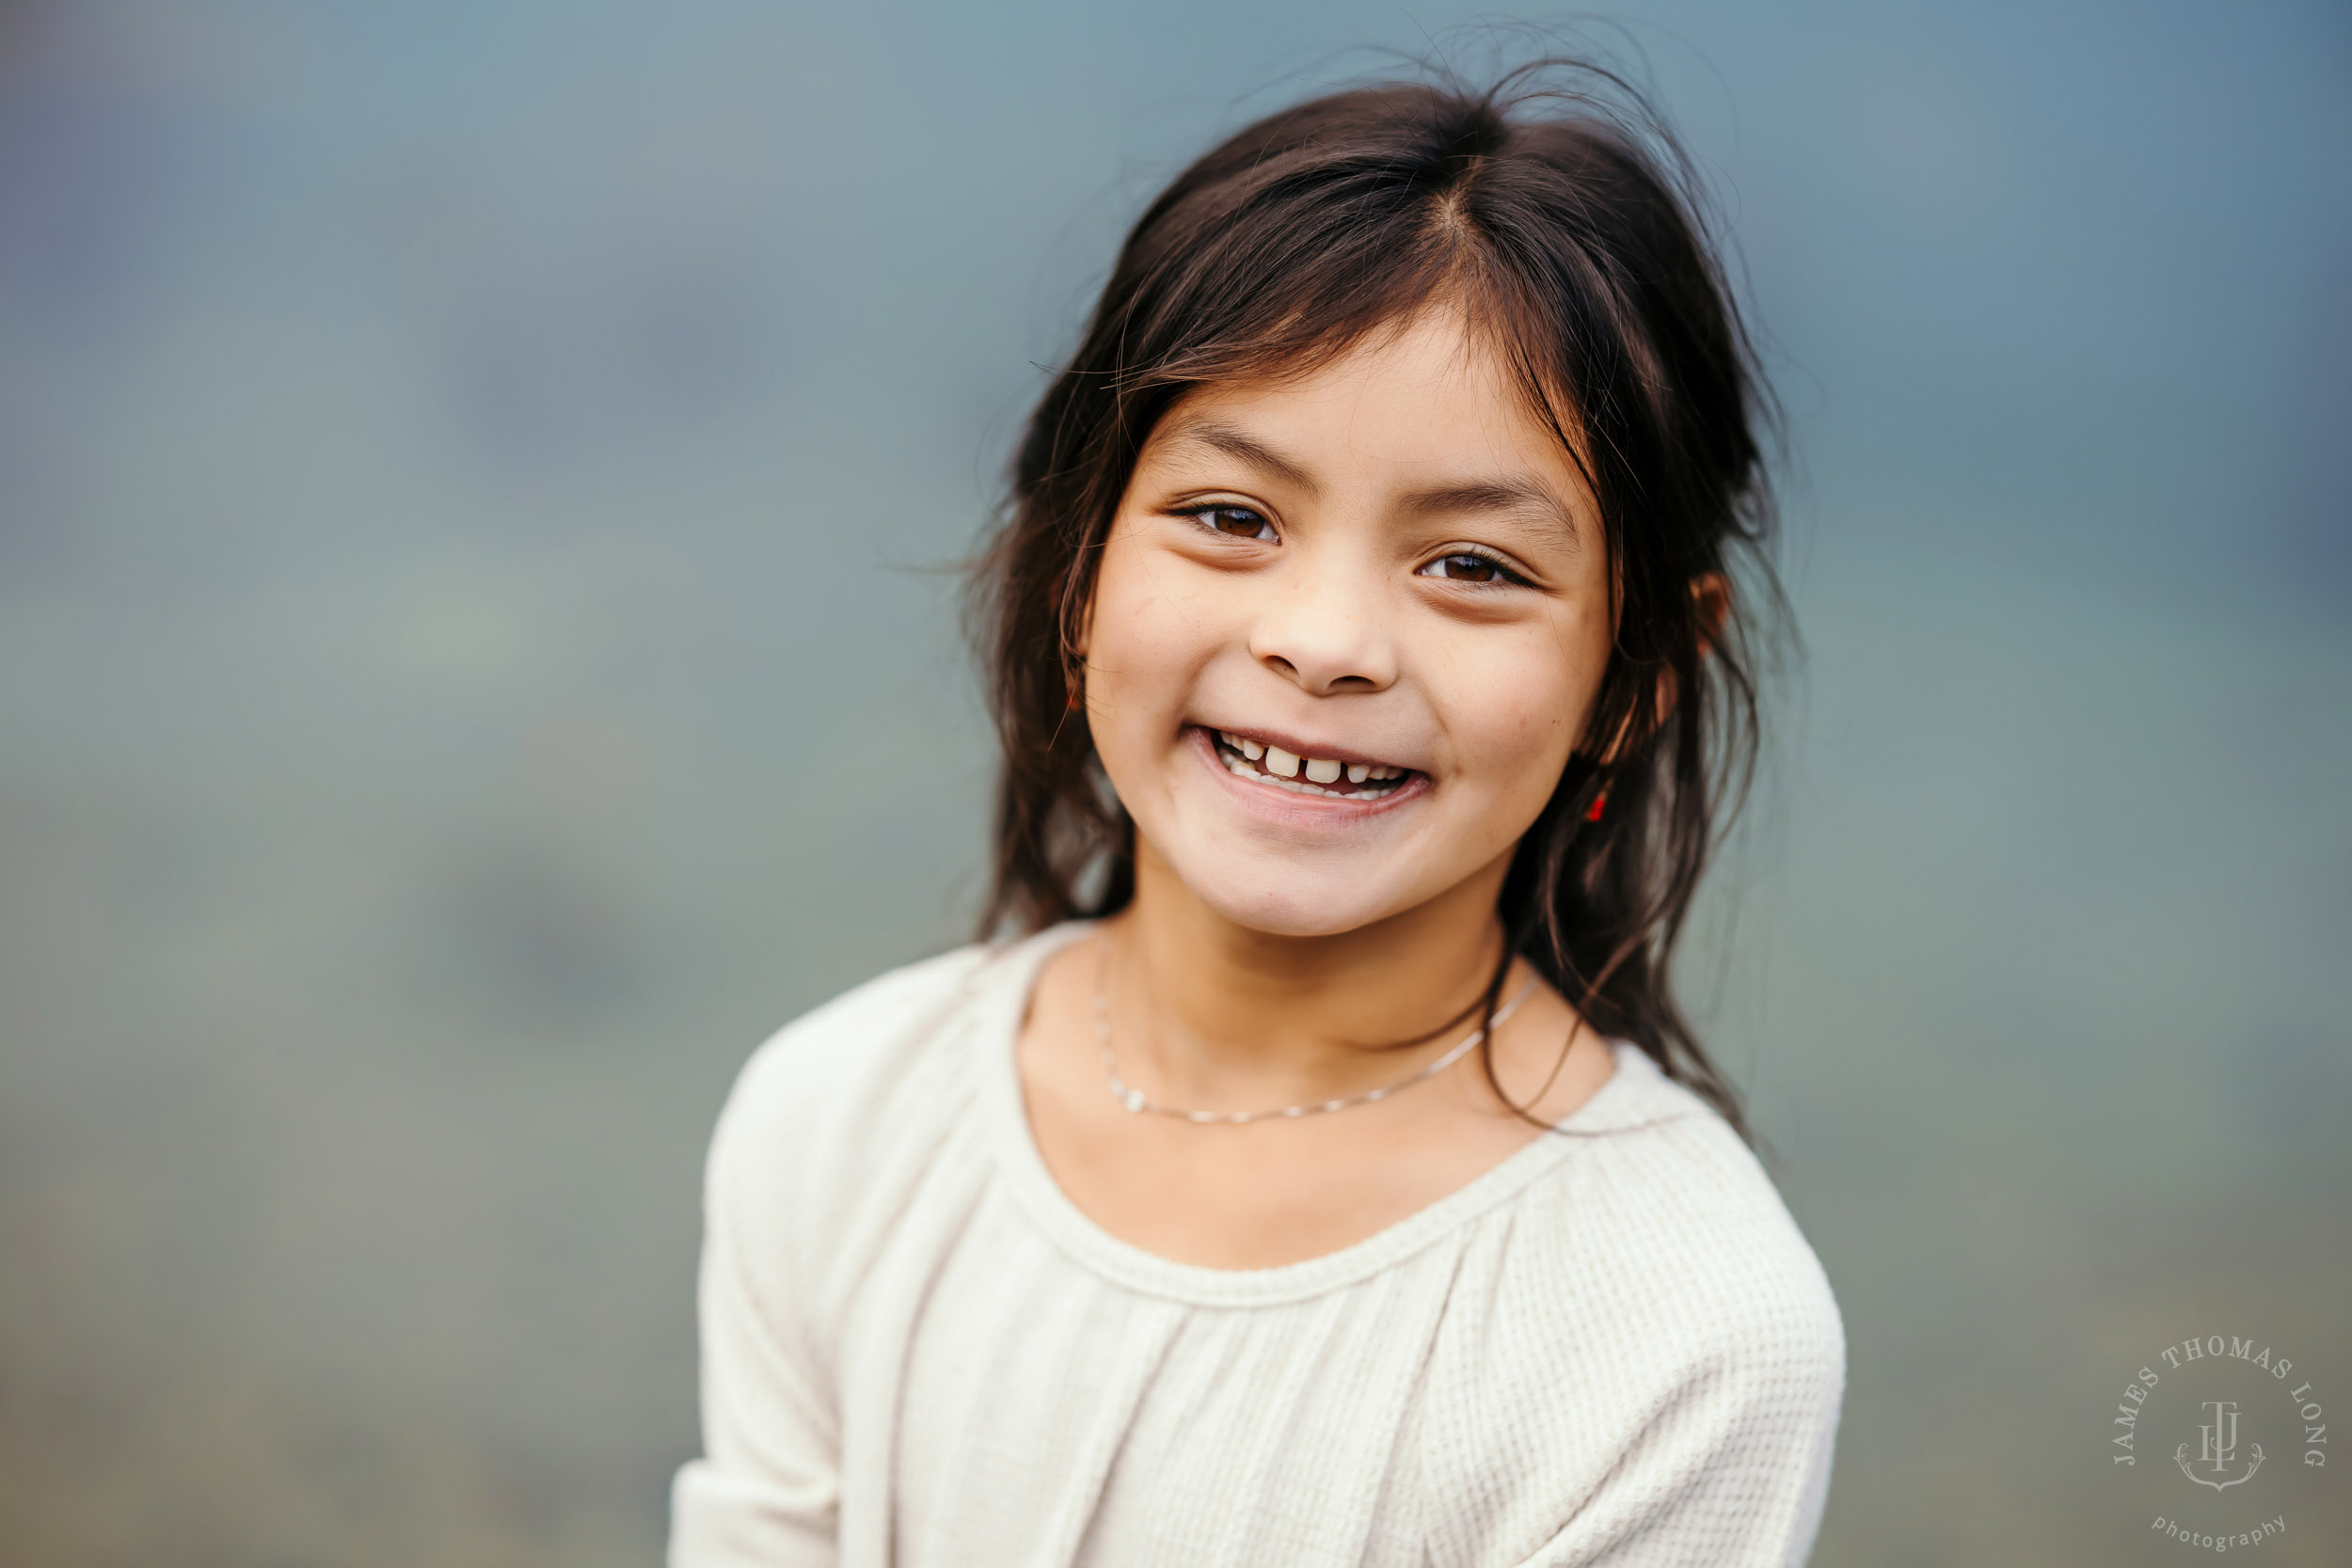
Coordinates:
(1300, 907)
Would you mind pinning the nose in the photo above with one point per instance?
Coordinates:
(1324, 632)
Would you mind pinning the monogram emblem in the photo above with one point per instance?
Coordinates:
(2219, 1449)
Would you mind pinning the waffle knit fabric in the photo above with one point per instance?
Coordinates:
(1613, 1348)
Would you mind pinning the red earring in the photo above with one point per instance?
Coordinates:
(1592, 813)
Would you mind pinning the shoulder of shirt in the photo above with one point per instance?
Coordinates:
(834, 1127)
(849, 1057)
(1706, 1246)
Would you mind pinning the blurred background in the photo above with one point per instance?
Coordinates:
(473, 660)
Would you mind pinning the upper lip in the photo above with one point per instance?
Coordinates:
(1298, 747)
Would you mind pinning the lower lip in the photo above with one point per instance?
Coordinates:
(1288, 806)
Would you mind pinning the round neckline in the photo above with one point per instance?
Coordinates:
(1007, 980)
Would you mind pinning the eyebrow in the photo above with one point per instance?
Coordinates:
(1523, 498)
(1244, 447)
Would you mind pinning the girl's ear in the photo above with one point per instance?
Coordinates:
(1711, 597)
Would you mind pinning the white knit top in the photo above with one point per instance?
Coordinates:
(1614, 1347)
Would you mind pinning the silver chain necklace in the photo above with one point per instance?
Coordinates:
(1142, 1104)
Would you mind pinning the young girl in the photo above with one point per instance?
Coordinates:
(1326, 1174)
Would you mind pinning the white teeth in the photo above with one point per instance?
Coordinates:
(1242, 770)
(1282, 769)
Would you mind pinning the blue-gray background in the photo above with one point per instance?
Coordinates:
(469, 666)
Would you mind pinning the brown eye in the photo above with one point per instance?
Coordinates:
(1465, 566)
(1239, 522)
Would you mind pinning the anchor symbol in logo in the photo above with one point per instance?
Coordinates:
(2219, 1447)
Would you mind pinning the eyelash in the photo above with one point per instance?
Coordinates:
(1502, 573)
(1202, 513)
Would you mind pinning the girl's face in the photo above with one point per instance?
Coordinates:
(1345, 630)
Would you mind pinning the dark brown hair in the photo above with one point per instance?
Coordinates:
(1565, 220)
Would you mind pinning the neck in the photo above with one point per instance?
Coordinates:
(1221, 1011)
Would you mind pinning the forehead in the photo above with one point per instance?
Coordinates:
(1427, 395)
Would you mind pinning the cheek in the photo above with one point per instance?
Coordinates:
(1519, 706)
(1150, 630)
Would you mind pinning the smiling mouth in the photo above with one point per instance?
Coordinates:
(1247, 757)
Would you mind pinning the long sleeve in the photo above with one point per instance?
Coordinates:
(1733, 1472)
(765, 1493)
